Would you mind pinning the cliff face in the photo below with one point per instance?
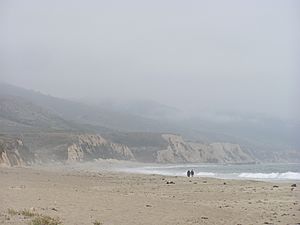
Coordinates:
(166, 148)
(14, 153)
(222, 153)
(88, 147)
(179, 151)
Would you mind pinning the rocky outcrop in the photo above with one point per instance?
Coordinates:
(61, 148)
(179, 151)
(222, 153)
(14, 153)
(164, 148)
(88, 147)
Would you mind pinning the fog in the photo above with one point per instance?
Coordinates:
(232, 56)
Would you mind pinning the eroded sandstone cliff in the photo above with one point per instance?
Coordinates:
(14, 153)
(163, 148)
(88, 147)
(179, 151)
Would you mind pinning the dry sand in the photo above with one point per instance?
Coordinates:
(79, 197)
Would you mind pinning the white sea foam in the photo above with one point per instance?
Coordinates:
(266, 172)
(205, 174)
(275, 176)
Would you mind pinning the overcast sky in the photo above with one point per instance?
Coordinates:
(240, 56)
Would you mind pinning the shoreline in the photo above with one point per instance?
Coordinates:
(81, 197)
(130, 167)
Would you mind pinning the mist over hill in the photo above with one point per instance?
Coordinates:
(48, 126)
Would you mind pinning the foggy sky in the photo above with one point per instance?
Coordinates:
(240, 56)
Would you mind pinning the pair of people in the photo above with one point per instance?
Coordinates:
(190, 173)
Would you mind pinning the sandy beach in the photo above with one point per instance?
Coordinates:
(80, 197)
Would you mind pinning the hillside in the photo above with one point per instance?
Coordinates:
(30, 133)
(18, 113)
(86, 114)
(49, 126)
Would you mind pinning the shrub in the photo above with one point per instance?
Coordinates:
(12, 212)
(24, 212)
(27, 213)
(45, 220)
(96, 222)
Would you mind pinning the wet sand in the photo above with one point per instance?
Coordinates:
(81, 197)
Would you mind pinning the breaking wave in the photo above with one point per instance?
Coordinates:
(265, 172)
(275, 176)
(205, 174)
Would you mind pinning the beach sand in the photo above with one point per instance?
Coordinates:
(81, 197)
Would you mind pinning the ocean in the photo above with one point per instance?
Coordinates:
(266, 172)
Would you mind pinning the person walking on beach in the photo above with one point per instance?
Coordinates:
(188, 173)
(192, 173)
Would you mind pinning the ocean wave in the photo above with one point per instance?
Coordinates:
(186, 166)
(205, 174)
(286, 176)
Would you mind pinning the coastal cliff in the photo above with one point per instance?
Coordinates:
(166, 148)
(179, 151)
(14, 153)
(174, 150)
(88, 147)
